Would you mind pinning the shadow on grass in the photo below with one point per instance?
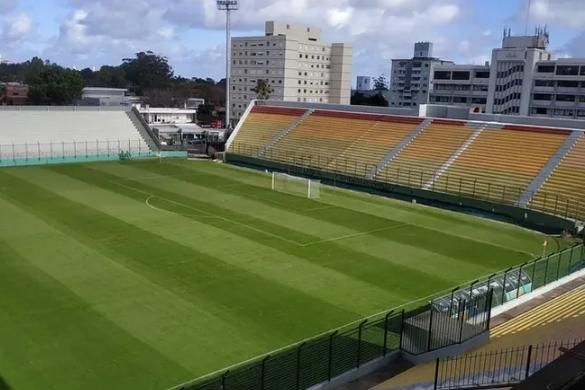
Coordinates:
(4, 385)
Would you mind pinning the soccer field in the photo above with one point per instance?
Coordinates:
(146, 274)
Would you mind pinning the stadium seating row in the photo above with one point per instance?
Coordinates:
(447, 156)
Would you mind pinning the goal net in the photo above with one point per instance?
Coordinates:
(294, 185)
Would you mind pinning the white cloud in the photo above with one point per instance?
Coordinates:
(16, 28)
(570, 13)
(7, 5)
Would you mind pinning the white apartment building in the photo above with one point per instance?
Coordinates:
(461, 85)
(558, 89)
(297, 64)
(410, 79)
(363, 83)
(512, 72)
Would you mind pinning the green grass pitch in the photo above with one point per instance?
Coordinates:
(146, 274)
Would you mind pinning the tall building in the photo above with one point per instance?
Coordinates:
(297, 64)
(410, 79)
(512, 72)
(363, 83)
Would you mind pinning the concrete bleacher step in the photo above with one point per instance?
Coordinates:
(479, 128)
(391, 155)
(279, 135)
(549, 168)
(145, 132)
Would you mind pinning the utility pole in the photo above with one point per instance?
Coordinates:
(228, 6)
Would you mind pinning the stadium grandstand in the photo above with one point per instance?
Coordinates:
(31, 134)
(530, 166)
(328, 244)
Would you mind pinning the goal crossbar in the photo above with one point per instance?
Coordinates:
(295, 185)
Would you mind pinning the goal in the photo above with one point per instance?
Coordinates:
(294, 185)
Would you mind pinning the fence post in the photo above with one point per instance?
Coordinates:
(299, 350)
(451, 301)
(386, 333)
(528, 362)
(330, 366)
(462, 320)
(489, 308)
(559, 264)
(430, 339)
(401, 329)
(359, 348)
(263, 373)
(504, 285)
(223, 379)
(436, 386)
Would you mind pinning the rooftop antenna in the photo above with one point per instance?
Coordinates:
(228, 6)
(528, 8)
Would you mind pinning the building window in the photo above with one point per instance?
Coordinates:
(482, 74)
(568, 84)
(565, 98)
(546, 69)
(544, 83)
(567, 70)
(460, 75)
(442, 75)
(542, 96)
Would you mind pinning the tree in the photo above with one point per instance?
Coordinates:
(360, 99)
(55, 85)
(263, 89)
(380, 83)
(110, 77)
(148, 70)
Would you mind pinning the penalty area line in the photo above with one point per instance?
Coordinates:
(205, 214)
(354, 235)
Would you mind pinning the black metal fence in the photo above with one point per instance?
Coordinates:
(415, 177)
(314, 361)
(519, 280)
(319, 360)
(435, 328)
(497, 368)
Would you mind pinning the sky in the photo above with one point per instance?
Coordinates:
(190, 33)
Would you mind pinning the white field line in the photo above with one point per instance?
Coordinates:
(355, 235)
(208, 214)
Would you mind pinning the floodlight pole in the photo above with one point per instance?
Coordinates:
(228, 6)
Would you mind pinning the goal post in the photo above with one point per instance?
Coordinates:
(294, 185)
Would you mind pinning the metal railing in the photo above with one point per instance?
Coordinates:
(519, 280)
(72, 151)
(500, 368)
(415, 177)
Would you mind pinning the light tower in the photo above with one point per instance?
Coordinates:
(228, 6)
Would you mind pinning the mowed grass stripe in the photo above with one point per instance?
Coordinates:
(234, 295)
(453, 223)
(362, 266)
(296, 272)
(52, 339)
(232, 195)
(485, 254)
(140, 307)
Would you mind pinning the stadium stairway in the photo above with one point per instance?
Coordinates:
(279, 135)
(144, 130)
(479, 128)
(392, 153)
(549, 168)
